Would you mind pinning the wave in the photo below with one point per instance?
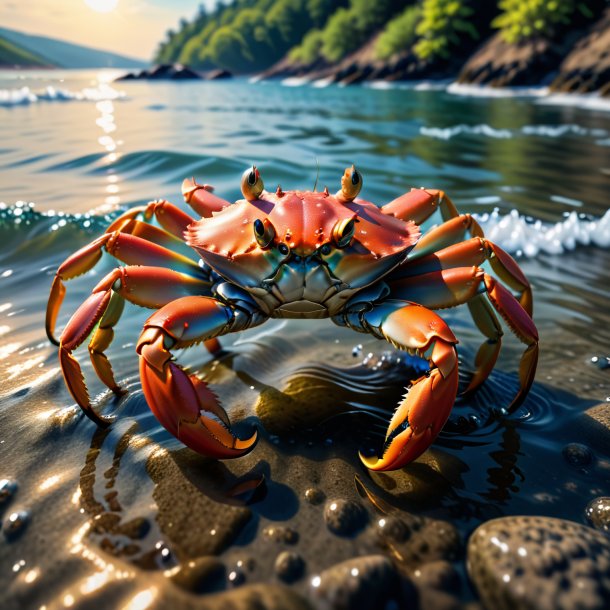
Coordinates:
(522, 236)
(25, 96)
(549, 131)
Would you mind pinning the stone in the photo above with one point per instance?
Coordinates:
(521, 563)
(202, 575)
(598, 513)
(289, 566)
(344, 517)
(369, 582)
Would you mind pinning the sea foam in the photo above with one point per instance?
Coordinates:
(24, 95)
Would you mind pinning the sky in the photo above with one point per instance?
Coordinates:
(133, 27)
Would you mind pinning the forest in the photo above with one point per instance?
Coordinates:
(248, 36)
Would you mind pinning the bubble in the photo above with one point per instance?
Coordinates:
(598, 513)
(15, 524)
(8, 489)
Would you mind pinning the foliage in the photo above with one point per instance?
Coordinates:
(522, 20)
(399, 34)
(443, 24)
(309, 49)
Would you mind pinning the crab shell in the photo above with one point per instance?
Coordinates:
(303, 280)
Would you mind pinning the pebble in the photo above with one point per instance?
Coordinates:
(237, 577)
(281, 534)
(344, 517)
(202, 575)
(519, 563)
(8, 489)
(598, 513)
(314, 496)
(369, 582)
(392, 528)
(577, 455)
(15, 524)
(289, 566)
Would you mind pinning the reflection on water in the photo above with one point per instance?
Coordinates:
(127, 516)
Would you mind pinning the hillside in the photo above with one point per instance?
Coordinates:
(12, 55)
(67, 55)
(496, 42)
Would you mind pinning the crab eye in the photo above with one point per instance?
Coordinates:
(344, 232)
(252, 184)
(351, 183)
(325, 249)
(284, 249)
(264, 232)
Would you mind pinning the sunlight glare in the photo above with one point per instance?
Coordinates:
(102, 6)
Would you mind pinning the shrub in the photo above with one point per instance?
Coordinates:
(443, 24)
(399, 34)
(521, 20)
(309, 49)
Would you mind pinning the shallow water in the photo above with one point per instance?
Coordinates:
(83, 153)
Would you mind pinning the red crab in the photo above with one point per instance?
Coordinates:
(295, 254)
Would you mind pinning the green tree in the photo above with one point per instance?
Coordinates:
(443, 24)
(522, 20)
(309, 49)
(400, 33)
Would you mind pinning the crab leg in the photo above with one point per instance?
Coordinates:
(128, 248)
(428, 401)
(170, 217)
(182, 403)
(419, 204)
(439, 253)
(451, 287)
(144, 286)
(201, 198)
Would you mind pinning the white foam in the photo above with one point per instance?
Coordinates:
(24, 95)
(588, 101)
(447, 133)
(522, 236)
(485, 91)
(548, 131)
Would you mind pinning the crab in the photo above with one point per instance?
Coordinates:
(295, 254)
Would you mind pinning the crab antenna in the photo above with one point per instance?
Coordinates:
(315, 185)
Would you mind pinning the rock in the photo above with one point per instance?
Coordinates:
(163, 72)
(8, 489)
(202, 575)
(587, 66)
(218, 75)
(344, 517)
(439, 575)
(281, 534)
(521, 563)
(500, 64)
(15, 524)
(598, 513)
(196, 525)
(314, 496)
(577, 455)
(419, 540)
(369, 582)
(289, 566)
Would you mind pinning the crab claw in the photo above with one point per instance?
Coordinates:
(183, 404)
(429, 400)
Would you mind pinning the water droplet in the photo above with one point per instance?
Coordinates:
(16, 524)
(8, 489)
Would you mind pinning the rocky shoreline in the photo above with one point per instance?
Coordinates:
(579, 63)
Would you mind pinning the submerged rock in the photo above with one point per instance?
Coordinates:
(289, 566)
(519, 563)
(344, 517)
(163, 72)
(202, 575)
(577, 454)
(369, 582)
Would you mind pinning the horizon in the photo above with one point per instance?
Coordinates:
(133, 28)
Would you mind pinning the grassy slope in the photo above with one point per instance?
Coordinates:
(14, 55)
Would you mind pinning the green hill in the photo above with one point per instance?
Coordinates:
(66, 54)
(12, 55)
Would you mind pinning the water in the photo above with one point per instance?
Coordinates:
(87, 148)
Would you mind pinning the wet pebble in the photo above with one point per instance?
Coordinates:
(577, 454)
(8, 489)
(519, 563)
(602, 362)
(281, 534)
(289, 566)
(439, 575)
(598, 513)
(314, 496)
(202, 575)
(392, 528)
(364, 582)
(15, 524)
(344, 517)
